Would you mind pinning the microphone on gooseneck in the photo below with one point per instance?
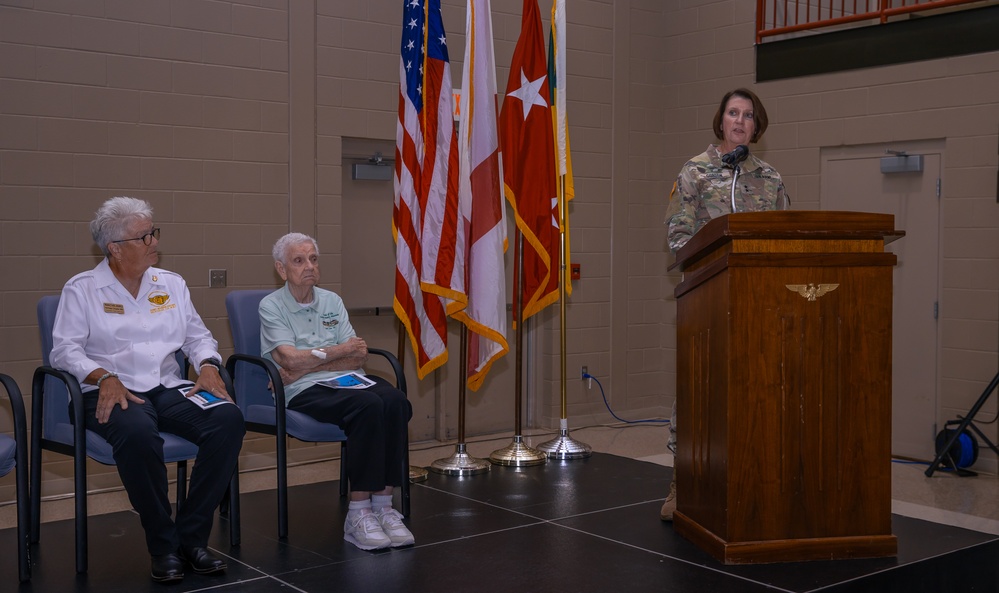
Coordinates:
(736, 156)
(733, 159)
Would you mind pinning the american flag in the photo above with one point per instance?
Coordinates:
(429, 240)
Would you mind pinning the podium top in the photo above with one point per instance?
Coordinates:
(794, 225)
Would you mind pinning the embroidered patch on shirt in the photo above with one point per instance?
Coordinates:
(158, 298)
(329, 320)
(114, 308)
(161, 300)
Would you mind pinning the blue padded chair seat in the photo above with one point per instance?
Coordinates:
(299, 425)
(8, 451)
(56, 423)
(174, 448)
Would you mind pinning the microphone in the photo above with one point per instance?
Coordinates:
(736, 156)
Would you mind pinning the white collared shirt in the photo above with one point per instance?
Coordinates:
(100, 325)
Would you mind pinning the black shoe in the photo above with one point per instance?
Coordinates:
(167, 568)
(201, 560)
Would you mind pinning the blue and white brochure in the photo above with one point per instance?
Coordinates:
(351, 380)
(203, 399)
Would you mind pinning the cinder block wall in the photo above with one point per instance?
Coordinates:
(230, 118)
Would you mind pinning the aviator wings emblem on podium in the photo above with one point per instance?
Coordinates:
(810, 291)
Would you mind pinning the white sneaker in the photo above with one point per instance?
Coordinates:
(363, 530)
(392, 525)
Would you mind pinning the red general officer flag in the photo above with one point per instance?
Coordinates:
(529, 164)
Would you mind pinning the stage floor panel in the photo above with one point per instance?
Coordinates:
(582, 525)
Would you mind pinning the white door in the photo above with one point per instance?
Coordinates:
(852, 180)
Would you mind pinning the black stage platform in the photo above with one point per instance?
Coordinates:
(583, 525)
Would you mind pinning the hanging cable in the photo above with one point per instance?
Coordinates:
(616, 417)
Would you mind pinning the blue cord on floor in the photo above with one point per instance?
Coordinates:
(619, 419)
(940, 468)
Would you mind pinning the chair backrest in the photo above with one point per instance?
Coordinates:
(14, 450)
(243, 307)
(8, 454)
(55, 412)
(55, 419)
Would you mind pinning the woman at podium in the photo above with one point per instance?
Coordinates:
(724, 178)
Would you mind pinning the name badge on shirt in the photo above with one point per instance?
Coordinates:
(114, 308)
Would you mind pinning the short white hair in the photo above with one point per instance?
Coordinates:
(280, 251)
(113, 218)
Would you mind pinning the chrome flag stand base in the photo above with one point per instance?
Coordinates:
(564, 446)
(460, 464)
(417, 474)
(517, 454)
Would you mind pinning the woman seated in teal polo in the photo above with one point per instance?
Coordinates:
(306, 332)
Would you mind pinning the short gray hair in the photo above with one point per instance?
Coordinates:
(280, 250)
(113, 218)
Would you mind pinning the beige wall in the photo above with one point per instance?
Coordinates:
(217, 111)
(955, 100)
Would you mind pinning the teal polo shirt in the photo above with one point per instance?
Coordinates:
(284, 321)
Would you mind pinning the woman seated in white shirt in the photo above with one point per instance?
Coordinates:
(116, 330)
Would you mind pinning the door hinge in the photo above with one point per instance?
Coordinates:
(939, 184)
(936, 310)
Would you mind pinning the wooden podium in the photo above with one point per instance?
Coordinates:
(784, 387)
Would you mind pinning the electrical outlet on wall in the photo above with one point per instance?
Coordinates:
(216, 278)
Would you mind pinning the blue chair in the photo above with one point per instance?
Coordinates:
(265, 412)
(14, 456)
(51, 429)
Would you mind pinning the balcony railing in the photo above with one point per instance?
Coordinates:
(781, 17)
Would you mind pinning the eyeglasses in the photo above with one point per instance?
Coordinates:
(146, 239)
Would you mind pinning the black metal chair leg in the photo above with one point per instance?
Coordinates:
(181, 482)
(405, 482)
(80, 497)
(235, 534)
(343, 470)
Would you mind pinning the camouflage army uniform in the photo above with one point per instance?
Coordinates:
(703, 191)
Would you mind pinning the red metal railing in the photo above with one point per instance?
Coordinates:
(779, 17)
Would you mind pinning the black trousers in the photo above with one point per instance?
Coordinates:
(375, 419)
(134, 435)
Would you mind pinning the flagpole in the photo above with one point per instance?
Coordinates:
(416, 473)
(563, 446)
(461, 463)
(518, 454)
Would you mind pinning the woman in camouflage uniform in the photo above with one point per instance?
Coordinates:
(703, 188)
(703, 191)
